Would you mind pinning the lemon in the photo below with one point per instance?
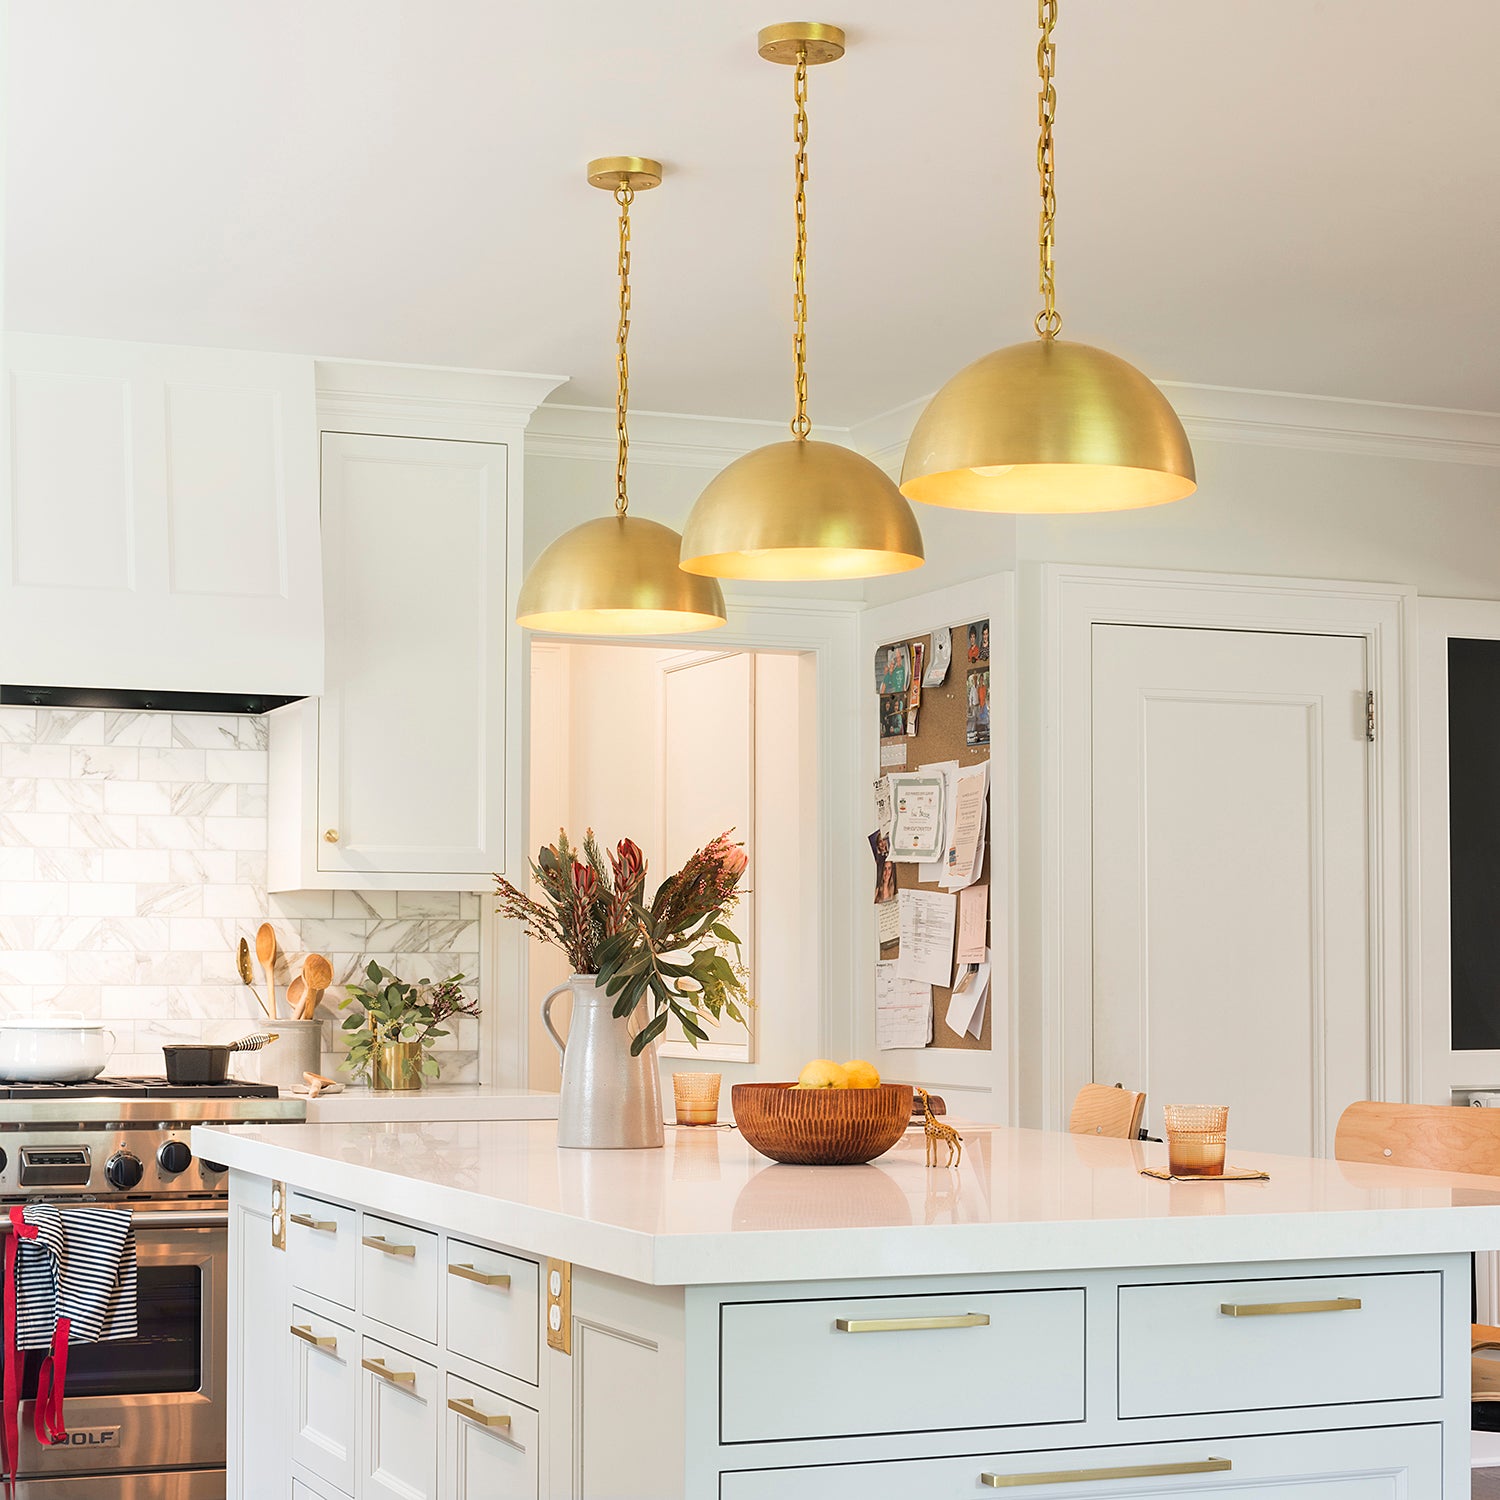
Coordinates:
(822, 1074)
(861, 1075)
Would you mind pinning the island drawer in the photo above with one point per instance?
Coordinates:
(325, 1363)
(399, 1276)
(491, 1444)
(492, 1309)
(1294, 1466)
(845, 1366)
(399, 1451)
(321, 1247)
(1222, 1346)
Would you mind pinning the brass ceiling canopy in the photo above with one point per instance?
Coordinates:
(801, 509)
(619, 575)
(1048, 426)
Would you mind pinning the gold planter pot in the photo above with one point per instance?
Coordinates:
(398, 1065)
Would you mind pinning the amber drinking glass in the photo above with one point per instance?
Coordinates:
(696, 1096)
(1195, 1139)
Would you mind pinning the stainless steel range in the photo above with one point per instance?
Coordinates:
(146, 1417)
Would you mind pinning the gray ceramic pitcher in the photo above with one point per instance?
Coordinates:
(610, 1100)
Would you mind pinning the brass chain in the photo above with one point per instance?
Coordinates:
(1049, 320)
(801, 425)
(624, 196)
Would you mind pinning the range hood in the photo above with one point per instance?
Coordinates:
(141, 700)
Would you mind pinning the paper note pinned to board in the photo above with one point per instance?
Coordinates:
(888, 922)
(973, 910)
(893, 755)
(966, 1005)
(927, 919)
(903, 1009)
(918, 825)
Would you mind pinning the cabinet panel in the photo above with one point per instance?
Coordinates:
(325, 1361)
(491, 1444)
(1388, 1463)
(399, 1276)
(410, 762)
(1302, 1342)
(841, 1366)
(492, 1309)
(321, 1248)
(400, 1438)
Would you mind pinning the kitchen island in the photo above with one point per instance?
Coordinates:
(461, 1309)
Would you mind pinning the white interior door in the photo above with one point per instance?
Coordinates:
(1231, 903)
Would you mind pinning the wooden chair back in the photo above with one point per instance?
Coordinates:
(1439, 1137)
(1101, 1110)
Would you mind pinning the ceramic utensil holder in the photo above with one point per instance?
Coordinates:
(298, 1049)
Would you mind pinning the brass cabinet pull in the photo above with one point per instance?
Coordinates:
(396, 1377)
(1125, 1471)
(1280, 1309)
(906, 1325)
(323, 1226)
(378, 1242)
(484, 1278)
(330, 835)
(318, 1341)
(472, 1413)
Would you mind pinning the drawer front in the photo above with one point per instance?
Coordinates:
(843, 1366)
(321, 1244)
(1387, 1463)
(1213, 1346)
(492, 1309)
(491, 1443)
(400, 1401)
(398, 1276)
(325, 1361)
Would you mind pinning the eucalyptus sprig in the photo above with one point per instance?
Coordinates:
(393, 1011)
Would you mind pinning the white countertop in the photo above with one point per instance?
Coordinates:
(710, 1209)
(436, 1101)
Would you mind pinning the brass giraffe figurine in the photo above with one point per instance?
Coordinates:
(936, 1131)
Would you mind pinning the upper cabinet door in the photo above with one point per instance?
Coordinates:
(159, 519)
(411, 732)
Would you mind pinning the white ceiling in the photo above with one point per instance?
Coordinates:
(1272, 194)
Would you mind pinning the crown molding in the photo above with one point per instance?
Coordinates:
(433, 400)
(1226, 414)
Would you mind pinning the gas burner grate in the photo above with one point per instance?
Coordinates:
(138, 1088)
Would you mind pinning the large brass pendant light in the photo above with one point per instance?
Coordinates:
(801, 509)
(619, 575)
(1048, 425)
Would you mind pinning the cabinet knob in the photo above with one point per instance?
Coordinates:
(330, 835)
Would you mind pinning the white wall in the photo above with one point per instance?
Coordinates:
(614, 786)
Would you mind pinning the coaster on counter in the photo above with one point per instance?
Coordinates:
(1229, 1174)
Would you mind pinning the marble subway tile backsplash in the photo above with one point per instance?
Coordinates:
(133, 859)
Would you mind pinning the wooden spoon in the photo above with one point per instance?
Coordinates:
(317, 973)
(265, 951)
(294, 993)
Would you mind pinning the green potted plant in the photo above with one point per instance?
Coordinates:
(398, 1023)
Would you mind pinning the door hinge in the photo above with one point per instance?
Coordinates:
(1370, 716)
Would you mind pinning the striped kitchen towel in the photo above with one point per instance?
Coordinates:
(80, 1267)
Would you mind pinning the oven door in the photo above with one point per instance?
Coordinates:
(156, 1401)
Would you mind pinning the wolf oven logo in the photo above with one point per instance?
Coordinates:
(92, 1437)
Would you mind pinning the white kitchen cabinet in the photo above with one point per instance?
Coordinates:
(395, 778)
(325, 1364)
(159, 519)
(491, 1447)
(400, 1438)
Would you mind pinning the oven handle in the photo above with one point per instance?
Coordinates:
(207, 1218)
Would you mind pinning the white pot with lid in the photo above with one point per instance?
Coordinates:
(54, 1049)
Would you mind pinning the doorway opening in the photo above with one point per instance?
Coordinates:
(669, 747)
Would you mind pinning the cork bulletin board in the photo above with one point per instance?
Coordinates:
(942, 732)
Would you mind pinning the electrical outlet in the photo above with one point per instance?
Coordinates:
(560, 1306)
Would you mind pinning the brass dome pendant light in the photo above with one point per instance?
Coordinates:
(1048, 426)
(619, 575)
(801, 509)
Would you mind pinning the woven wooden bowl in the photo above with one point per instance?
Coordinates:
(821, 1127)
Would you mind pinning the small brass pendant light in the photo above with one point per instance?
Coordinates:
(1048, 426)
(801, 509)
(619, 575)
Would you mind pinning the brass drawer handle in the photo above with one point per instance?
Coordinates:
(1279, 1309)
(318, 1341)
(906, 1325)
(323, 1226)
(484, 1278)
(396, 1377)
(472, 1413)
(377, 1242)
(1126, 1471)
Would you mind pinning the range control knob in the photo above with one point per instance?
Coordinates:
(174, 1156)
(4, 1159)
(124, 1170)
